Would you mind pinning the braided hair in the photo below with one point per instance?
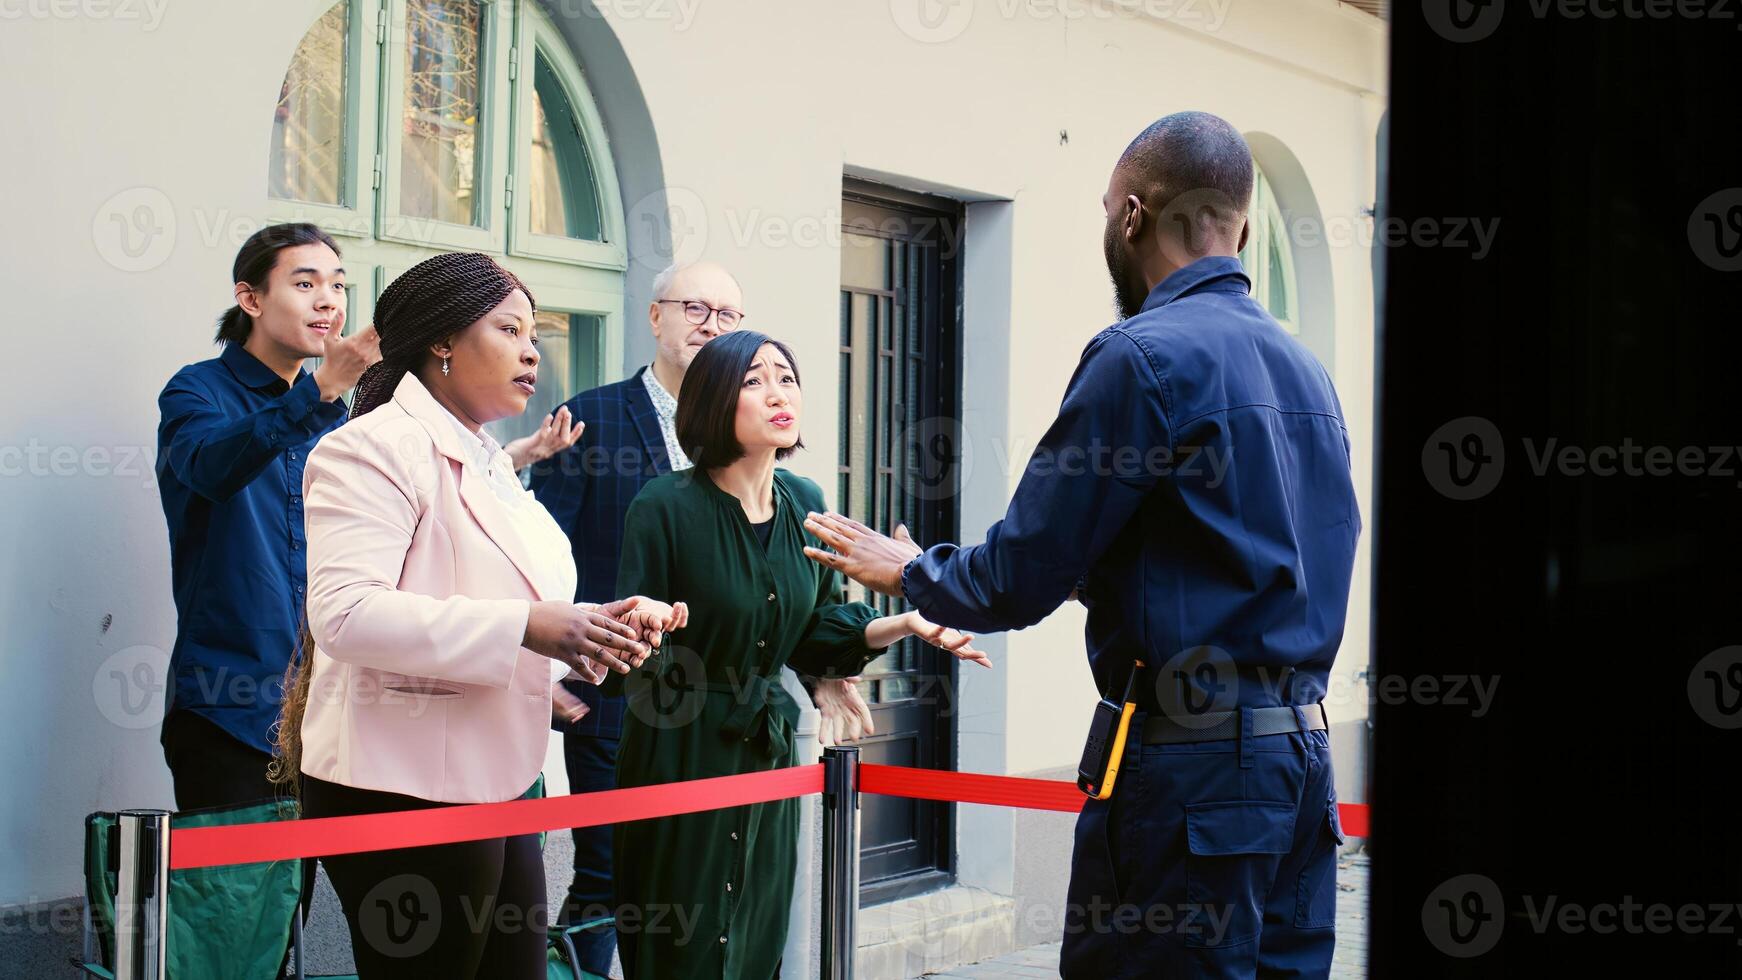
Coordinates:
(435, 298)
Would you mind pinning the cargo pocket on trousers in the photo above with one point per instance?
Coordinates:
(1234, 848)
(1315, 900)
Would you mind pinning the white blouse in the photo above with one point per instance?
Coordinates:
(539, 531)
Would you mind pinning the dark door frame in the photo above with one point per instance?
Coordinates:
(881, 211)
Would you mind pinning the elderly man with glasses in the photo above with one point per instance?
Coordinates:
(629, 436)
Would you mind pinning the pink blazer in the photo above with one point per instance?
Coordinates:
(420, 580)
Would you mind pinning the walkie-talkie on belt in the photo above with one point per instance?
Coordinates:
(1106, 743)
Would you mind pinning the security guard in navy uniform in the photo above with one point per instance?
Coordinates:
(1195, 494)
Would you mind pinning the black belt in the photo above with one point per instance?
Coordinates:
(1214, 726)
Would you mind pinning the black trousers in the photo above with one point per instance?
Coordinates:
(461, 911)
(212, 768)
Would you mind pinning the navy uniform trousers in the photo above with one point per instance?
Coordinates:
(1208, 861)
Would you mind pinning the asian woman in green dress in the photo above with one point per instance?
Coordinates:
(706, 895)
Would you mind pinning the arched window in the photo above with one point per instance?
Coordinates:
(412, 127)
(1269, 258)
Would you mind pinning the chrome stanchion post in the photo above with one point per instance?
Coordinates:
(142, 895)
(840, 860)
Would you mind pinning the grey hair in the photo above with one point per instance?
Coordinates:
(662, 280)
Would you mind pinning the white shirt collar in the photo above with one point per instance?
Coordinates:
(483, 446)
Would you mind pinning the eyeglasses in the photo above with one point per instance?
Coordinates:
(697, 312)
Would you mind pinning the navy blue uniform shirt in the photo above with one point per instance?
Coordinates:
(231, 445)
(1196, 486)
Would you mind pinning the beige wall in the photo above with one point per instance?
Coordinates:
(757, 110)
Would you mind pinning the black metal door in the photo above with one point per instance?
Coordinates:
(900, 382)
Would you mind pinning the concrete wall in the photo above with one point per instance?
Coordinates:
(733, 123)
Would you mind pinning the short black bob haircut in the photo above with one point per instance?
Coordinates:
(707, 402)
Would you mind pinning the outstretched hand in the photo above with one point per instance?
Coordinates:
(944, 638)
(868, 557)
(556, 433)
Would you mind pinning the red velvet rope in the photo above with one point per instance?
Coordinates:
(203, 847)
(1030, 794)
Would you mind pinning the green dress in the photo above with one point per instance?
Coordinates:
(706, 895)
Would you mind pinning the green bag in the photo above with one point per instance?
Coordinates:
(251, 906)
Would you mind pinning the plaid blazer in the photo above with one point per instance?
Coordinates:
(587, 488)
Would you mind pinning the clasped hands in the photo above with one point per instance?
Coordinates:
(594, 640)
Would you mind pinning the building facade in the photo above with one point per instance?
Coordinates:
(909, 191)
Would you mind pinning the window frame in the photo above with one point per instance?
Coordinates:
(354, 215)
(587, 281)
(1268, 224)
(536, 35)
(393, 225)
(589, 301)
